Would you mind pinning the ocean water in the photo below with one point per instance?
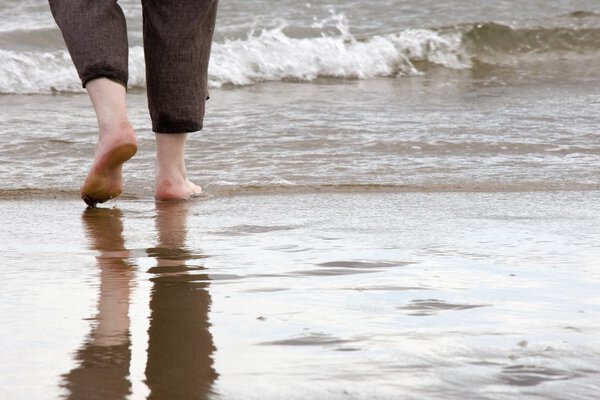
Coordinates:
(424, 181)
(394, 95)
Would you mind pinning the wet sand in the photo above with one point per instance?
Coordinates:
(317, 295)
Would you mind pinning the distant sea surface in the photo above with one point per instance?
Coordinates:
(388, 95)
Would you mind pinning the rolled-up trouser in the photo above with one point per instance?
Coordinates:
(177, 41)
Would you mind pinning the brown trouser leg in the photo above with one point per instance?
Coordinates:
(96, 36)
(177, 41)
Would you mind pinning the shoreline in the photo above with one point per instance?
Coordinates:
(283, 190)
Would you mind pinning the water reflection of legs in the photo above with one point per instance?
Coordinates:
(103, 360)
(180, 344)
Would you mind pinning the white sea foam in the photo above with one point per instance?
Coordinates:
(47, 72)
(35, 72)
(271, 55)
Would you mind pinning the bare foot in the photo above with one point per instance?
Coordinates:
(179, 188)
(104, 181)
(172, 182)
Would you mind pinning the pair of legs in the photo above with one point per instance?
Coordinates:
(117, 143)
(177, 44)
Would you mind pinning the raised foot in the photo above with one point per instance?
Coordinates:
(169, 190)
(104, 180)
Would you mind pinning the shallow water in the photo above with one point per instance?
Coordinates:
(412, 295)
(399, 96)
(398, 135)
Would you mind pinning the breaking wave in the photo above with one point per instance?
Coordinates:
(274, 55)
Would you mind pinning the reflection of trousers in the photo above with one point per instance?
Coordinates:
(177, 40)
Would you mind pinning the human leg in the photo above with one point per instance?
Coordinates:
(95, 33)
(172, 182)
(116, 142)
(177, 41)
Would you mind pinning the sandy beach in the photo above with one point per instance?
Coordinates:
(316, 295)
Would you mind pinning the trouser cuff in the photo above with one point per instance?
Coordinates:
(96, 71)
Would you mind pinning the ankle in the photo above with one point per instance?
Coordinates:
(116, 135)
(120, 127)
(172, 173)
